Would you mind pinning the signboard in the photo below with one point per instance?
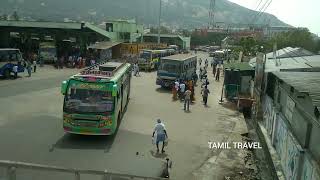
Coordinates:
(97, 73)
(293, 157)
(281, 136)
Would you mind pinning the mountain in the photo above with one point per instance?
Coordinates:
(181, 13)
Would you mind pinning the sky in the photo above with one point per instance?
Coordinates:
(298, 13)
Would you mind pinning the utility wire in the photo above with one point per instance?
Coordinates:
(262, 10)
(259, 10)
(258, 5)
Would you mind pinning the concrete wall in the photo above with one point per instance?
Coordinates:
(290, 126)
(315, 142)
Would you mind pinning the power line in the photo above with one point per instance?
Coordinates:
(211, 13)
(258, 5)
(259, 9)
(263, 12)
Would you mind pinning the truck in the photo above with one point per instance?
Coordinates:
(175, 67)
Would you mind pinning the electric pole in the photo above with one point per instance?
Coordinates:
(159, 21)
(211, 13)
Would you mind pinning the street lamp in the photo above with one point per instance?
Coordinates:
(159, 21)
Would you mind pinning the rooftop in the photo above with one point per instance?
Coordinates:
(290, 58)
(41, 24)
(55, 25)
(302, 62)
(287, 52)
(307, 82)
(103, 45)
(179, 57)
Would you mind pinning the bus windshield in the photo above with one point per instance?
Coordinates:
(145, 55)
(170, 66)
(83, 100)
(10, 55)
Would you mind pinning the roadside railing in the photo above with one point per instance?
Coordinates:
(12, 167)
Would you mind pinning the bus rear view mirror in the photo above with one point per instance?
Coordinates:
(64, 85)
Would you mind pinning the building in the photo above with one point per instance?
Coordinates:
(291, 107)
(170, 39)
(124, 30)
(286, 111)
(271, 31)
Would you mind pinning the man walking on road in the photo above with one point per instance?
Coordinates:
(34, 66)
(205, 92)
(182, 88)
(175, 90)
(161, 135)
(187, 98)
(29, 68)
(219, 68)
(15, 71)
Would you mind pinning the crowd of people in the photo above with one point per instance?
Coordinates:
(75, 61)
(185, 89)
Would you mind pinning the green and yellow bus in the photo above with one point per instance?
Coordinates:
(96, 98)
(149, 59)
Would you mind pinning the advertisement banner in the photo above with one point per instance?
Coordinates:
(281, 136)
(293, 157)
(307, 170)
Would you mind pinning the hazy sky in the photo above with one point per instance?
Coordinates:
(298, 13)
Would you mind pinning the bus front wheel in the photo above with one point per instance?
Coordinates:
(7, 73)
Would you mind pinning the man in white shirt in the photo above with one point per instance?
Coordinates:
(34, 66)
(176, 85)
(15, 71)
(182, 90)
(187, 97)
(161, 134)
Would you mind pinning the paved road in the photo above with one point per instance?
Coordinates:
(31, 128)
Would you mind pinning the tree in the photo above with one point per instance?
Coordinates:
(297, 38)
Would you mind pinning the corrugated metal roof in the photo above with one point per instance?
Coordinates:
(37, 24)
(179, 57)
(287, 52)
(292, 63)
(98, 30)
(308, 82)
